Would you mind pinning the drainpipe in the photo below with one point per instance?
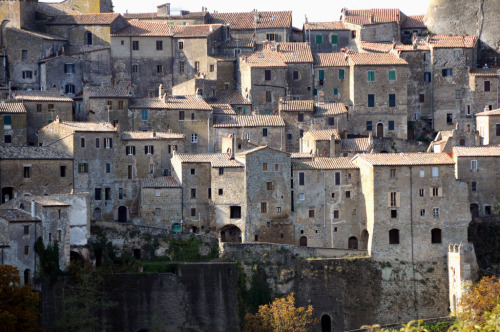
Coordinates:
(412, 252)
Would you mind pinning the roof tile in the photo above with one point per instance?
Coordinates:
(325, 26)
(376, 59)
(187, 103)
(483, 151)
(326, 163)
(337, 59)
(364, 16)
(38, 95)
(323, 135)
(230, 121)
(247, 21)
(10, 107)
(405, 159)
(161, 182)
(321, 109)
(296, 105)
(215, 159)
(149, 135)
(31, 152)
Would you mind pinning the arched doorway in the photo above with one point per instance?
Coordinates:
(363, 243)
(326, 323)
(303, 241)
(230, 233)
(353, 242)
(474, 210)
(380, 130)
(7, 194)
(122, 214)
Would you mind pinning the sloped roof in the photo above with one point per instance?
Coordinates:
(363, 16)
(337, 59)
(376, 59)
(147, 103)
(154, 29)
(356, 145)
(480, 151)
(117, 91)
(38, 95)
(414, 22)
(40, 35)
(31, 152)
(321, 109)
(86, 126)
(323, 135)
(222, 109)
(154, 15)
(10, 107)
(296, 105)
(238, 43)
(149, 135)
(247, 21)
(187, 103)
(229, 97)
(45, 201)
(489, 113)
(215, 159)
(444, 41)
(484, 72)
(325, 26)
(387, 47)
(84, 19)
(325, 163)
(294, 52)
(404, 159)
(230, 121)
(264, 59)
(161, 182)
(14, 215)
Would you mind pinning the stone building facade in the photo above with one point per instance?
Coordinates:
(13, 124)
(488, 125)
(332, 77)
(161, 203)
(326, 37)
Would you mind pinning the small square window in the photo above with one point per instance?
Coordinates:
(336, 214)
(264, 166)
(473, 186)
(435, 212)
(269, 185)
(393, 173)
(263, 207)
(221, 192)
(394, 213)
(421, 192)
(135, 45)
(422, 212)
(193, 171)
(302, 197)
(347, 194)
(311, 213)
(193, 212)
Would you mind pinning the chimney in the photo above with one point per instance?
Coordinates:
(154, 133)
(32, 209)
(165, 97)
(372, 18)
(58, 120)
(161, 91)
(163, 10)
(211, 28)
(233, 145)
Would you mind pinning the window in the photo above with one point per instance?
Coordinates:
(26, 250)
(149, 149)
(38, 108)
(321, 76)
(107, 194)
(347, 194)
(97, 142)
(422, 174)
(181, 115)
(436, 235)
(447, 72)
(295, 75)
(181, 45)
(336, 214)
(62, 171)
(235, 212)
(159, 69)
(473, 165)
(473, 186)
(335, 39)
(272, 36)
(331, 121)
(394, 199)
(7, 138)
(212, 68)
(181, 66)
(193, 212)
(193, 193)
(108, 143)
(394, 213)
(498, 129)
(487, 210)
(27, 74)
(69, 68)
(264, 166)
(353, 34)
(421, 192)
(221, 192)
(97, 194)
(392, 75)
(120, 193)
(392, 100)
(394, 236)
(159, 45)
(88, 38)
(421, 98)
(337, 178)
(130, 150)
(341, 74)
(269, 97)
(269, 185)
(108, 168)
(130, 171)
(194, 138)
(436, 192)
(435, 172)
(371, 76)
(426, 57)
(457, 94)
(369, 126)
(393, 173)
(449, 118)
(486, 86)
(7, 121)
(263, 207)
(427, 77)
(158, 212)
(371, 100)
(422, 212)
(247, 137)
(267, 75)
(311, 213)
(435, 212)
(144, 115)
(24, 55)
(300, 117)
(135, 45)
(319, 39)
(335, 91)
(83, 168)
(302, 197)
(135, 68)
(27, 172)
(302, 178)
(391, 125)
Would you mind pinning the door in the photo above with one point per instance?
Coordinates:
(380, 130)
(122, 214)
(353, 242)
(303, 241)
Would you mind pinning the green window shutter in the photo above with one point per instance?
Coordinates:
(176, 228)
(319, 40)
(269, 111)
(315, 92)
(341, 74)
(335, 39)
(276, 37)
(391, 125)
(335, 91)
(7, 120)
(244, 110)
(392, 75)
(371, 76)
(321, 75)
(236, 109)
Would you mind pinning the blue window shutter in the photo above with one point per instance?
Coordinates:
(321, 75)
(368, 125)
(391, 125)
(244, 110)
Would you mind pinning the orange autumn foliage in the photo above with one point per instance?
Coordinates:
(480, 298)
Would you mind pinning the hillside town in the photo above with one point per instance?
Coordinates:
(370, 136)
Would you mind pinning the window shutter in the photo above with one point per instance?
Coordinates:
(430, 192)
(145, 149)
(152, 149)
(398, 199)
(133, 150)
(244, 110)
(440, 192)
(126, 150)
(110, 143)
(321, 75)
(389, 199)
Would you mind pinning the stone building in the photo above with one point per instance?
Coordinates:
(378, 89)
(299, 61)
(477, 167)
(163, 15)
(230, 102)
(413, 25)
(13, 129)
(258, 129)
(446, 140)
(34, 171)
(107, 104)
(42, 108)
(326, 192)
(414, 205)
(298, 118)
(484, 92)
(488, 125)
(332, 77)
(321, 143)
(161, 203)
(326, 37)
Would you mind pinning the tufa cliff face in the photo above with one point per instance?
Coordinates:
(468, 17)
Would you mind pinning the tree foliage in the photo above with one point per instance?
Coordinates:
(479, 299)
(49, 258)
(18, 304)
(281, 316)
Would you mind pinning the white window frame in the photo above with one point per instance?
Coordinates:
(473, 165)
(435, 212)
(435, 171)
(194, 138)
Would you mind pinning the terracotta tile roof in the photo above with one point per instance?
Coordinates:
(356, 145)
(74, 50)
(187, 103)
(387, 47)
(17, 215)
(40, 35)
(483, 151)
(154, 15)
(363, 16)
(223, 58)
(301, 155)
(296, 105)
(444, 41)
(230, 121)
(488, 113)
(321, 109)
(149, 135)
(337, 59)
(215, 159)
(117, 91)
(37, 95)
(293, 52)
(324, 135)
(414, 22)
(147, 103)
(252, 150)
(31, 152)
(229, 97)
(404, 159)
(376, 59)
(45, 201)
(238, 42)
(484, 72)
(222, 108)
(86, 126)
(325, 163)
(264, 59)
(339, 25)
(9, 107)
(151, 29)
(85, 19)
(53, 9)
(246, 21)
(161, 182)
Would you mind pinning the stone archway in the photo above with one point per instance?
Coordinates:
(230, 233)
(326, 323)
(363, 243)
(380, 130)
(353, 242)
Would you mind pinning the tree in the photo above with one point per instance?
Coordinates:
(281, 316)
(18, 304)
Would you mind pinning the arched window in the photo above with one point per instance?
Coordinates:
(394, 236)
(326, 323)
(436, 235)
